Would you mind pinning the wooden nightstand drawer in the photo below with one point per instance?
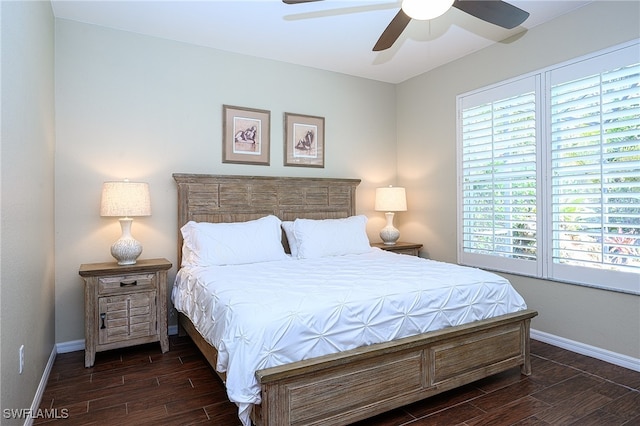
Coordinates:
(118, 283)
(410, 252)
(412, 249)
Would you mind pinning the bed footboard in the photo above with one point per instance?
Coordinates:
(346, 387)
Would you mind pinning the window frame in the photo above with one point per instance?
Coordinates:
(543, 267)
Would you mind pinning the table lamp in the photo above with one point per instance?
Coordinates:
(125, 199)
(390, 199)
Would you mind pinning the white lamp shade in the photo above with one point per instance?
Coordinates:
(391, 199)
(125, 199)
(425, 9)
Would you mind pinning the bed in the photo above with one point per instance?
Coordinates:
(350, 383)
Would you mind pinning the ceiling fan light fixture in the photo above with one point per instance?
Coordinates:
(425, 9)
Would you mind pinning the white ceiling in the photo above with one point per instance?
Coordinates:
(329, 35)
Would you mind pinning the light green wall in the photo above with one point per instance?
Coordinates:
(427, 164)
(141, 107)
(27, 173)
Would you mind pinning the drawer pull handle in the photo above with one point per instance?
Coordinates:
(102, 317)
(130, 284)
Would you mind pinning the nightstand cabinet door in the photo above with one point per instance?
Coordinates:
(126, 317)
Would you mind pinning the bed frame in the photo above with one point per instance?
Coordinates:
(342, 388)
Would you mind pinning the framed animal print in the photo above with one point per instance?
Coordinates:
(303, 140)
(245, 135)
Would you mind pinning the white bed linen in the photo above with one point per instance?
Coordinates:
(266, 314)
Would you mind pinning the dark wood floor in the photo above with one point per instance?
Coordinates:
(140, 385)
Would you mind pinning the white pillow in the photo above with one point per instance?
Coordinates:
(331, 237)
(291, 238)
(208, 244)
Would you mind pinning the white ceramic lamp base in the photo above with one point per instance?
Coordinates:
(389, 234)
(126, 250)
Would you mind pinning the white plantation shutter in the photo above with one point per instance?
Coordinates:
(559, 201)
(499, 178)
(595, 165)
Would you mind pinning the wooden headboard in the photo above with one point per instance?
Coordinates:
(219, 198)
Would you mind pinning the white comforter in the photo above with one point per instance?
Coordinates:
(266, 314)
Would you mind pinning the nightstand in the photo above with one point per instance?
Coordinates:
(412, 249)
(124, 305)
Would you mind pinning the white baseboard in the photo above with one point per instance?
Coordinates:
(571, 345)
(72, 346)
(588, 350)
(37, 399)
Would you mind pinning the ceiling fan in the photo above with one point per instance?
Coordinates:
(497, 12)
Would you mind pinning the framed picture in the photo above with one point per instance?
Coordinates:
(303, 140)
(245, 135)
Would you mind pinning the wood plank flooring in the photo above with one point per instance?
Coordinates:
(142, 386)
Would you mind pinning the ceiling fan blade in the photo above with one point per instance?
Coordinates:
(496, 12)
(298, 1)
(393, 31)
(341, 11)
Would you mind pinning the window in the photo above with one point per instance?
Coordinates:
(549, 172)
